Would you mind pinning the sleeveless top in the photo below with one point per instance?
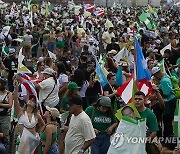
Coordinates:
(3, 111)
(24, 120)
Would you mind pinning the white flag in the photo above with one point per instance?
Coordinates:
(166, 47)
(52, 55)
(120, 55)
(20, 57)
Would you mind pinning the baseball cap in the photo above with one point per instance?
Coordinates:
(112, 52)
(158, 41)
(48, 71)
(54, 112)
(73, 85)
(75, 100)
(12, 51)
(155, 70)
(105, 101)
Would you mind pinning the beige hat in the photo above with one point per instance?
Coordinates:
(132, 47)
(112, 52)
(49, 71)
(54, 112)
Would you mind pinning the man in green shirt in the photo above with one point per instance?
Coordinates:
(151, 121)
(169, 97)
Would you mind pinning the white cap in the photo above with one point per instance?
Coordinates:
(155, 70)
(48, 71)
(158, 41)
(27, 30)
(112, 52)
(41, 59)
(91, 40)
(12, 51)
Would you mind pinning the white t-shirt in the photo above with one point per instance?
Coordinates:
(80, 130)
(83, 89)
(63, 78)
(46, 87)
(27, 38)
(107, 37)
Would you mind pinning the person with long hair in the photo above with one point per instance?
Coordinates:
(6, 101)
(62, 78)
(104, 123)
(28, 117)
(49, 133)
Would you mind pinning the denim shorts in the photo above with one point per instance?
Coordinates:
(53, 149)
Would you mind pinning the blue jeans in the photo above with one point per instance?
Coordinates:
(101, 144)
(53, 149)
(2, 149)
(51, 46)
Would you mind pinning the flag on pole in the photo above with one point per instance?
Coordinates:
(71, 4)
(52, 55)
(5, 50)
(119, 77)
(108, 24)
(152, 11)
(177, 119)
(145, 17)
(102, 59)
(141, 64)
(20, 57)
(123, 54)
(101, 76)
(89, 7)
(142, 72)
(161, 66)
(28, 142)
(126, 90)
(165, 48)
(23, 69)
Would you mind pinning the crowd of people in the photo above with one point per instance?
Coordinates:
(60, 50)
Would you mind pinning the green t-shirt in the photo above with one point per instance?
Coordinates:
(167, 88)
(100, 121)
(64, 102)
(151, 120)
(36, 36)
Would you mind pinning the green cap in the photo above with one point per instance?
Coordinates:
(105, 101)
(73, 85)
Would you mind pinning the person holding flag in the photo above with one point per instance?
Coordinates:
(28, 117)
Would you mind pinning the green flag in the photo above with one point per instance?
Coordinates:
(161, 66)
(5, 50)
(152, 11)
(145, 17)
(177, 120)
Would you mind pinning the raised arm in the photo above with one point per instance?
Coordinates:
(17, 107)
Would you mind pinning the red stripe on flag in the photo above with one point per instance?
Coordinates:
(145, 86)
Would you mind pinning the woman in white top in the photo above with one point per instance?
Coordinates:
(28, 117)
(62, 79)
(48, 88)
